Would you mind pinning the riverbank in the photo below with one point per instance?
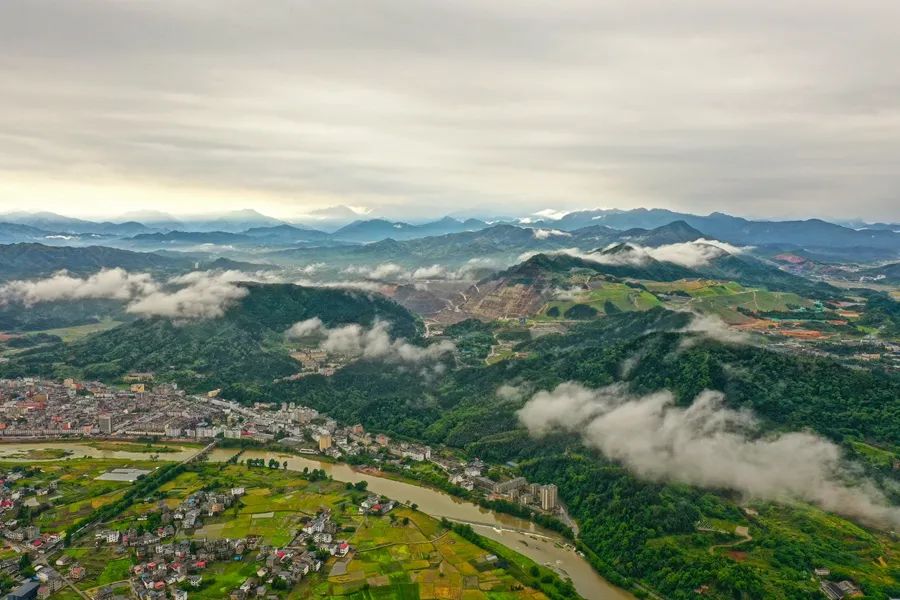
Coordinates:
(543, 546)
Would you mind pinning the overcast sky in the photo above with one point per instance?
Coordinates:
(772, 108)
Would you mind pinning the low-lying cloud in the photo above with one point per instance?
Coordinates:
(373, 343)
(389, 271)
(709, 445)
(543, 234)
(693, 254)
(117, 284)
(195, 295)
(364, 285)
(712, 327)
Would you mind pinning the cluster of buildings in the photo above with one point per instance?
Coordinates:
(315, 361)
(32, 407)
(469, 475)
(373, 505)
(12, 500)
(170, 569)
(837, 590)
(201, 504)
(45, 583)
(35, 408)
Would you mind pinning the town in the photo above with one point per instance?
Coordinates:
(32, 408)
(167, 565)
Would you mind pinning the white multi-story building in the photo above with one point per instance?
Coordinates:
(549, 499)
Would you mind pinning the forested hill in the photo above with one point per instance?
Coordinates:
(632, 527)
(38, 260)
(246, 344)
(743, 269)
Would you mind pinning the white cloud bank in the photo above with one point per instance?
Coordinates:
(693, 254)
(195, 295)
(372, 343)
(713, 327)
(116, 284)
(707, 445)
(203, 295)
(389, 271)
(543, 234)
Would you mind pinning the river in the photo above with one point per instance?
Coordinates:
(541, 545)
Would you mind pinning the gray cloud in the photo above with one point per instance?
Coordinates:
(708, 445)
(755, 109)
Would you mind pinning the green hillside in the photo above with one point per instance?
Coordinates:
(246, 344)
(20, 261)
(631, 527)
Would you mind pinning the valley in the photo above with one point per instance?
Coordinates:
(377, 370)
(449, 300)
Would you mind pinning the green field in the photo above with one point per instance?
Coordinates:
(878, 457)
(69, 334)
(608, 297)
(78, 492)
(413, 557)
(724, 298)
(406, 554)
(139, 447)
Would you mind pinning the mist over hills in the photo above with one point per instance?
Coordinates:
(29, 260)
(506, 331)
(244, 344)
(736, 230)
(248, 229)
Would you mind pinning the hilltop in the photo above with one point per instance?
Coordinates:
(610, 280)
(246, 344)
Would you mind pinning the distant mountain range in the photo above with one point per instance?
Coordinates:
(500, 244)
(250, 231)
(38, 260)
(379, 229)
(810, 233)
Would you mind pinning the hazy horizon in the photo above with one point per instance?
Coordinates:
(336, 215)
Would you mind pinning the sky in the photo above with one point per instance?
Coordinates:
(773, 108)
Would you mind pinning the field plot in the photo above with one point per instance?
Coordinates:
(69, 334)
(142, 448)
(103, 565)
(606, 298)
(411, 556)
(73, 490)
(403, 554)
(725, 298)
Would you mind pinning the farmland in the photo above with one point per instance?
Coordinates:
(73, 491)
(607, 297)
(725, 298)
(403, 554)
